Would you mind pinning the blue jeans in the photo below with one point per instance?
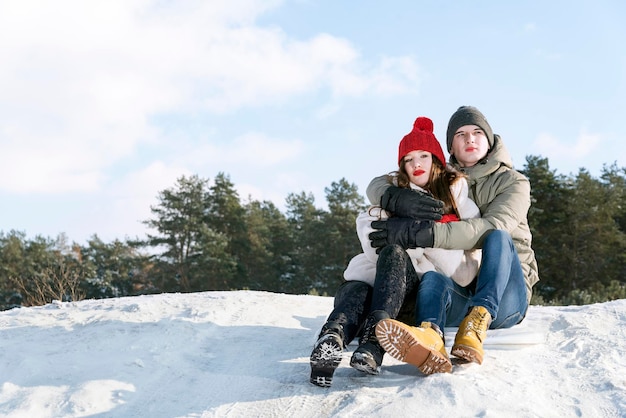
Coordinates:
(500, 287)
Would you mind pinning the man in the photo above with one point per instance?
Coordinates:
(499, 296)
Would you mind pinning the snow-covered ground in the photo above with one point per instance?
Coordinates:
(245, 354)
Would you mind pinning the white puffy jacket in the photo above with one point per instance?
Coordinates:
(460, 265)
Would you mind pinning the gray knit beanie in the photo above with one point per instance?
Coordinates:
(468, 115)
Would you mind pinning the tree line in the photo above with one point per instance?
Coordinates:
(203, 237)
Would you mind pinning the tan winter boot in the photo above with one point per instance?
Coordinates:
(468, 343)
(421, 346)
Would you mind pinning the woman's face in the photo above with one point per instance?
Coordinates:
(417, 165)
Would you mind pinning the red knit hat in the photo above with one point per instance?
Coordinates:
(421, 138)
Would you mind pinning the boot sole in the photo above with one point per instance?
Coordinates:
(397, 340)
(468, 354)
(360, 362)
(324, 360)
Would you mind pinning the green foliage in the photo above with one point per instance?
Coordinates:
(38, 271)
(112, 270)
(309, 246)
(599, 293)
(226, 216)
(270, 245)
(323, 242)
(344, 203)
(578, 239)
(202, 237)
(27, 267)
(192, 251)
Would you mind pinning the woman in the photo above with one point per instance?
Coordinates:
(378, 285)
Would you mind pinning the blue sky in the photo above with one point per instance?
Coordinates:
(106, 103)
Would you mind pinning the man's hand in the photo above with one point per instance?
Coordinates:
(405, 232)
(407, 203)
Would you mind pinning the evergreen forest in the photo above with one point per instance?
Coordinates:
(204, 237)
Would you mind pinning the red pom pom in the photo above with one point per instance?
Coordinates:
(423, 124)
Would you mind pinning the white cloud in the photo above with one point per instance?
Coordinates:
(81, 81)
(245, 159)
(562, 151)
(148, 181)
(252, 149)
(257, 149)
(127, 202)
(395, 75)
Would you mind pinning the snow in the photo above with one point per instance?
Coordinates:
(245, 354)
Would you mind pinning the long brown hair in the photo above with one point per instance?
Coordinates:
(439, 183)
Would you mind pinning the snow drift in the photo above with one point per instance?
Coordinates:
(243, 353)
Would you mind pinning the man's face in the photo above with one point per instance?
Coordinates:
(469, 145)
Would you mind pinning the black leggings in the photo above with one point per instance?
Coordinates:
(394, 291)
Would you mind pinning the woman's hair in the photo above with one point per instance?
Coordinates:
(439, 183)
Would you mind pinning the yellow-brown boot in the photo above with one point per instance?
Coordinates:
(421, 346)
(468, 343)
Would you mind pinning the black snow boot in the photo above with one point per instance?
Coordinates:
(326, 354)
(368, 357)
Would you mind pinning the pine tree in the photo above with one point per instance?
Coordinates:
(549, 222)
(225, 215)
(115, 269)
(344, 203)
(271, 242)
(597, 243)
(308, 255)
(192, 255)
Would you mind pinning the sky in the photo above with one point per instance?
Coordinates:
(213, 355)
(105, 103)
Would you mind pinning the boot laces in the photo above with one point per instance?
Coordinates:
(478, 323)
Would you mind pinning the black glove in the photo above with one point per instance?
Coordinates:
(407, 233)
(407, 203)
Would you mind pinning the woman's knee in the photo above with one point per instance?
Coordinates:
(393, 251)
